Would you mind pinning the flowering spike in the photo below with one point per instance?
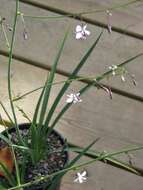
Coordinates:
(109, 14)
(25, 34)
(131, 158)
(113, 68)
(106, 89)
(133, 79)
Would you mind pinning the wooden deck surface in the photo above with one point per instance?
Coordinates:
(117, 122)
(127, 19)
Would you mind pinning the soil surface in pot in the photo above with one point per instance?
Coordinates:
(50, 163)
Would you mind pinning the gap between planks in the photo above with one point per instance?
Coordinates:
(106, 161)
(64, 73)
(112, 49)
(34, 81)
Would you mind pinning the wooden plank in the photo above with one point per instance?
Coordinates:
(26, 77)
(118, 123)
(101, 176)
(41, 47)
(125, 18)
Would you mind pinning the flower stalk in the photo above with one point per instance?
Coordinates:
(75, 167)
(34, 145)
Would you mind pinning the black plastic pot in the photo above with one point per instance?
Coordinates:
(42, 186)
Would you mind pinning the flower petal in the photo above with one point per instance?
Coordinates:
(76, 180)
(78, 28)
(87, 32)
(80, 180)
(78, 36)
(84, 27)
(84, 173)
(78, 94)
(69, 100)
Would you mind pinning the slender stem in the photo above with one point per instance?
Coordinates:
(84, 12)
(9, 87)
(89, 85)
(16, 167)
(45, 17)
(79, 78)
(10, 122)
(101, 157)
(5, 35)
(52, 84)
(112, 160)
(9, 70)
(110, 8)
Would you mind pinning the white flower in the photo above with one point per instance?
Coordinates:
(73, 98)
(113, 69)
(81, 177)
(81, 32)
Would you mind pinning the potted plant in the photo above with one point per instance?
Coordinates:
(33, 156)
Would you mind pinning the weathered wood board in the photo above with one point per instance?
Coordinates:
(114, 135)
(117, 122)
(128, 18)
(44, 37)
(103, 177)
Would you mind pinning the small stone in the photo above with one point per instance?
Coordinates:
(45, 165)
(29, 141)
(30, 176)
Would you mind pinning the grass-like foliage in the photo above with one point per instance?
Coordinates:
(34, 146)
